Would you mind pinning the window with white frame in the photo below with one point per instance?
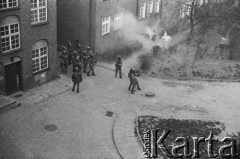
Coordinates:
(118, 21)
(10, 34)
(157, 6)
(39, 56)
(142, 11)
(185, 10)
(5, 4)
(38, 11)
(150, 7)
(203, 2)
(106, 25)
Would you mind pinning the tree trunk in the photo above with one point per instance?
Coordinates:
(192, 18)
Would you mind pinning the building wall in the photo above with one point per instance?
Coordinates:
(110, 8)
(82, 20)
(73, 21)
(30, 34)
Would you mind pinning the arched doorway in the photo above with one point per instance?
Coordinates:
(13, 79)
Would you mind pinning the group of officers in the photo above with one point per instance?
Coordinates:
(82, 59)
(132, 75)
(79, 59)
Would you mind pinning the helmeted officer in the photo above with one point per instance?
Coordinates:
(79, 48)
(76, 78)
(85, 58)
(118, 66)
(77, 64)
(132, 75)
(92, 63)
(64, 61)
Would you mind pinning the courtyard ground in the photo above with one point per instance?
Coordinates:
(86, 130)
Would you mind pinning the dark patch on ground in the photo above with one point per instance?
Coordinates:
(109, 113)
(51, 127)
(181, 128)
(18, 95)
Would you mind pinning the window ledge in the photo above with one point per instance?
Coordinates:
(106, 34)
(11, 52)
(9, 9)
(39, 24)
(39, 72)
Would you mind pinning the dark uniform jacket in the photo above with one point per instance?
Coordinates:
(118, 63)
(64, 58)
(92, 62)
(77, 77)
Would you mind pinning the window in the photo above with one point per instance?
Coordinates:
(157, 6)
(39, 56)
(10, 34)
(142, 11)
(4, 4)
(203, 2)
(150, 7)
(106, 25)
(185, 10)
(117, 21)
(38, 11)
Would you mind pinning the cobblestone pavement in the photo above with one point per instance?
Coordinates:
(85, 131)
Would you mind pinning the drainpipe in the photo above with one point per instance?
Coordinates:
(90, 23)
(161, 10)
(137, 9)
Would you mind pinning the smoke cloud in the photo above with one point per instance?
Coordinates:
(135, 30)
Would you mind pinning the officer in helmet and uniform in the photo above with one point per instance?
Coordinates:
(92, 63)
(76, 78)
(64, 61)
(85, 58)
(132, 75)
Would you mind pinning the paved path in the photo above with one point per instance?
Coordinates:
(44, 92)
(84, 130)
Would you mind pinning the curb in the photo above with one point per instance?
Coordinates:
(113, 138)
(109, 69)
(180, 79)
(125, 138)
(194, 79)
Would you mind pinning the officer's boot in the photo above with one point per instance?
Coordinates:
(93, 73)
(85, 69)
(138, 87)
(73, 87)
(129, 87)
(120, 72)
(132, 91)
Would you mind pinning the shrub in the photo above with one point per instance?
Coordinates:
(155, 50)
(173, 29)
(123, 51)
(145, 62)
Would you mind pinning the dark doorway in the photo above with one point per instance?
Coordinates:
(13, 77)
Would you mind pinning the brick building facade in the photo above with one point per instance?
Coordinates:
(28, 44)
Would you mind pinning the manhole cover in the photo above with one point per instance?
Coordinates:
(109, 113)
(18, 95)
(150, 94)
(51, 127)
